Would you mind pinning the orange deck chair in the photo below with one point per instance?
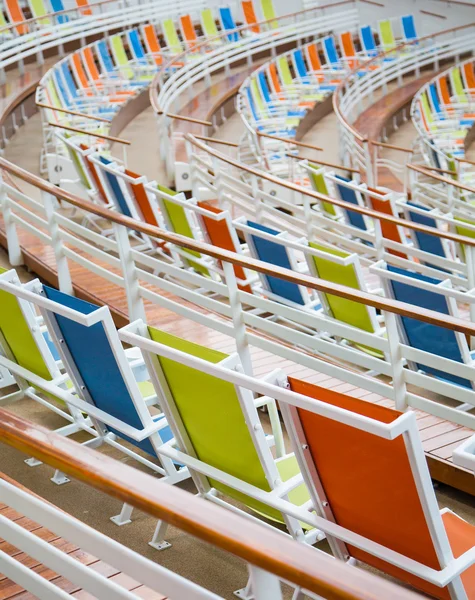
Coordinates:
(378, 488)
(16, 15)
(152, 43)
(250, 15)
(444, 92)
(469, 77)
(85, 8)
(94, 76)
(91, 167)
(390, 231)
(220, 234)
(188, 30)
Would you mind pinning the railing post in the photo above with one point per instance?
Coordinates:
(64, 276)
(367, 150)
(13, 243)
(240, 333)
(264, 585)
(396, 360)
(131, 282)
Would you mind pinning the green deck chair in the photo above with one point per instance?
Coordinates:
(209, 24)
(347, 311)
(212, 421)
(174, 46)
(459, 133)
(456, 79)
(268, 11)
(122, 60)
(317, 180)
(386, 34)
(39, 9)
(3, 21)
(177, 220)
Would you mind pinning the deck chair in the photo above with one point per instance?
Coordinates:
(269, 245)
(38, 10)
(331, 54)
(348, 191)
(172, 41)
(228, 455)
(268, 12)
(317, 180)
(426, 292)
(58, 7)
(409, 28)
(84, 8)
(386, 34)
(108, 391)
(321, 88)
(88, 87)
(16, 15)
(368, 43)
(343, 268)
(208, 25)
(228, 24)
(468, 77)
(188, 31)
(250, 15)
(382, 202)
(458, 88)
(27, 351)
(152, 43)
(368, 475)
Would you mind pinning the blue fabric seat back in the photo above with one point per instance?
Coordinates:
(435, 156)
(94, 359)
(425, 241)
(424, 336)
(68, 79)
(300, 64)
(330, 49)
(61, 87)
(349, 195)
(434, 97)
(367, 39)
(58, 6)
(264, 86)
(105, 56)
(409, 27)
(136, 44)
(228, 22)
(275, 254)
(252, 105)
(114, 184)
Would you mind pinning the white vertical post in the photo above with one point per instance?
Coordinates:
(368, 163)
(396, 360)
(13, 243)
(240, 334)
(264, 585)
(64, 276)
(129, 271)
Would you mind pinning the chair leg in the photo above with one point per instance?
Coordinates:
(124, 517)
(60, 478)
(158, 541)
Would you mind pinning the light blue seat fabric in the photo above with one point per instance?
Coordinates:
(349, 195)
(136, 46)
(105, 56)
(94, 360)
(58, 6)
(409, 27)
(228, 23)
(275, 254)
(368, 42)
(114, 184)
(425, 241)
(331, 51)
(424, 336)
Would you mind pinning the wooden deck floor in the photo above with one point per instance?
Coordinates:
(439, 437)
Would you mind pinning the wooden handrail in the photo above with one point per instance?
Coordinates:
(178, 58)
(424, 170)
(373, 2)
(464, 160)
(289, 141)
(351, 75)
(322, 162)
(437, 169)
(309, 281)
(97, 135)
(391, 146)
(261, 546)
(432, 14)
(216, 141)
(341, 203)
(183, 118)
(72, 112)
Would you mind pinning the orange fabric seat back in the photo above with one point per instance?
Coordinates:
(91, 167)
(84, 5)
(90, 63)
(275, 78)
(469, 75)
(79, 71)
(347, 44)
(153, 43)
(314, 58)
(142, 199)
(389, 230)
(444, 90)
(16, 15)
(189, 32)
(369, 483)
(220, 236)
(250, 15)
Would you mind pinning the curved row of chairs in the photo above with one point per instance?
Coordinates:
(443, 113)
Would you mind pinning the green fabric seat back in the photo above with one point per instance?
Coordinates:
(212, 416)
(52, 93)
(3, 21)
(268, 12)
(458, 85)
(121, 56)
(461, 230)
(208, 22)
(284, 70)
(171, 37)
(319, 185)
(77, 162)
(256, 93)
(426, 108)
(387, 35)
(347, 311)
(177, 217)
(39, 9)
(18, 336)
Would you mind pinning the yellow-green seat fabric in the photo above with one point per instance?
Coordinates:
(208, 22)
(319, 185)
(284, 70)
(459, 89)
(344, 310)
(39, 9)
(171, 37)
(212, 416)
(387, 35)
(464, 230)
(268, 12)
(177, 217)
(121, 56)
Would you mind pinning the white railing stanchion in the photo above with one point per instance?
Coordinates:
(64, 276)
(15, 256)
(396, 360)
(264, 585)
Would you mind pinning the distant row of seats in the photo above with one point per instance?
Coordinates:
(339, 479)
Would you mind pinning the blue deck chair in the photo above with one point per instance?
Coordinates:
(96, 362)
(409, 28)
(425, 336)
(228, 23)
(367, 41)
(278, 255)
(58, 6)
(433, 94)
(348, 194)
(331, 53)
(108, 67)
(112, 187)
(136, 47)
